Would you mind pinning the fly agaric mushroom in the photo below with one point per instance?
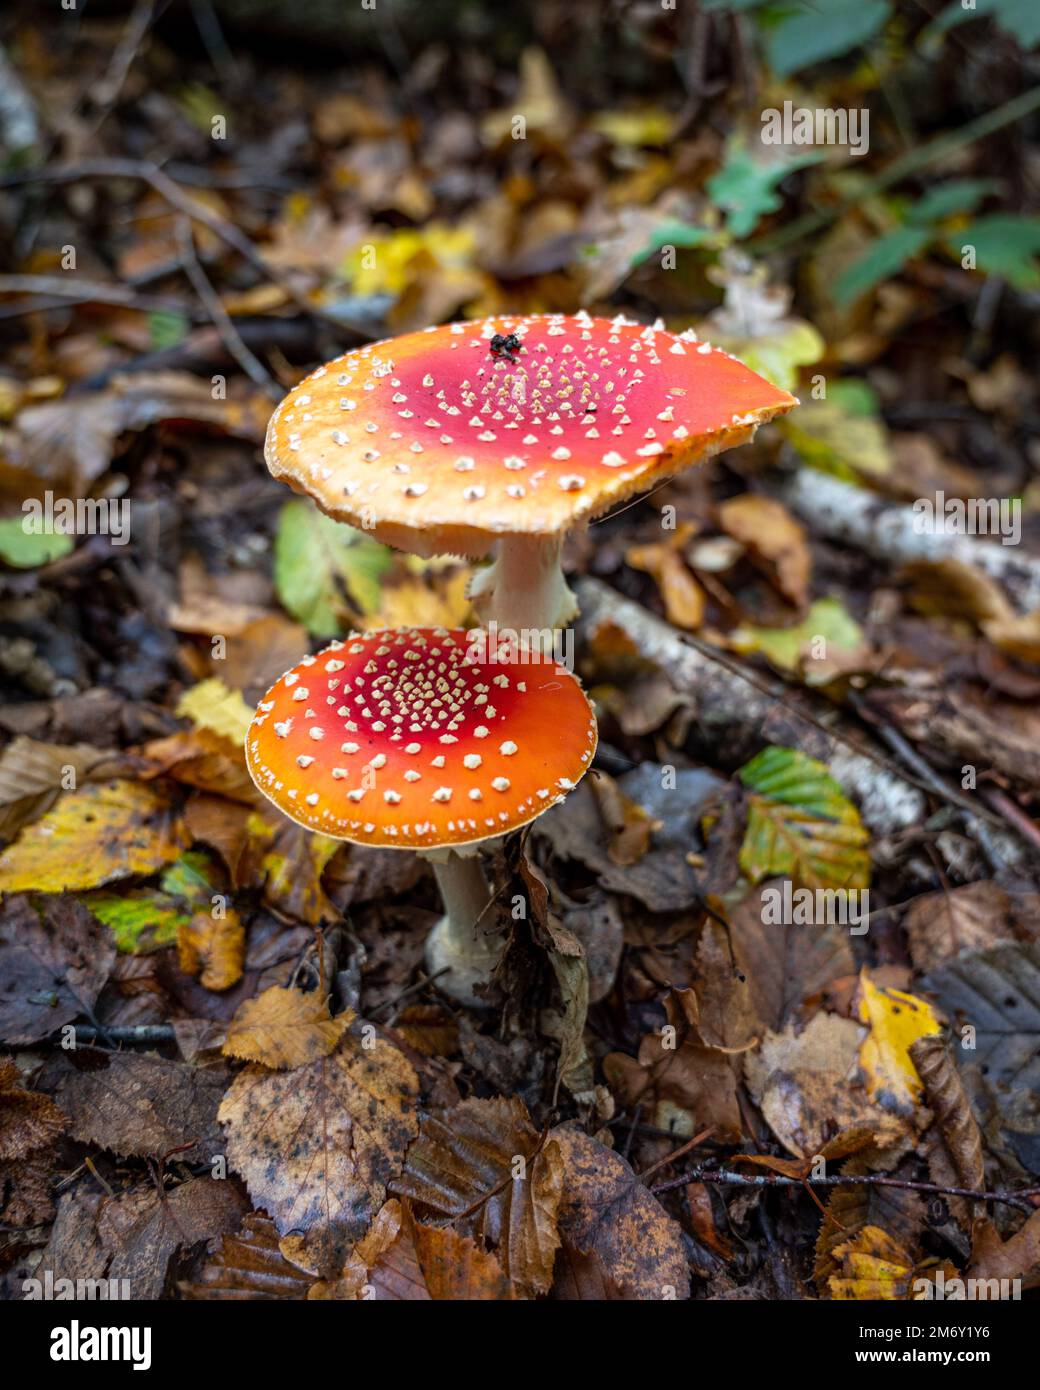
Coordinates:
(422, 739)
(510, 431)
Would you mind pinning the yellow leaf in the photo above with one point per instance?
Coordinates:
(214, 948)
(873, 1265)
(211, 705)
(896, 1020)
(89, 837)
(284, 1028)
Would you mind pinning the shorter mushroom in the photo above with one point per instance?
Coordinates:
(425, 739)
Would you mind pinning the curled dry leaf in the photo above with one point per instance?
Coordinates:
(92, 836)
(214, 948)
(317, 1146)
(684, 599)
(1018, 1257)
(610, 1223)
(954, 1144)
(484, 1166)
(284, 1028)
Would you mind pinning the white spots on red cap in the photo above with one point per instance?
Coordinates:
(414, 698)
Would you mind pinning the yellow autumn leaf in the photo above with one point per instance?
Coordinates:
(284, 1028)
(424, 601)
(872, 1265)
(895, 1020)
(89, 837)
(211, 705)
(214, 948)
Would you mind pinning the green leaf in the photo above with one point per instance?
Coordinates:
(801, 825)
(843, 434)
(822, 30)
(313, 556)
(679, 234)
(945, 199)
(1006, 245)
(1019, 18)
(166, 330)
(192, 878)
(745, 189)
(776, 355)
(139, 921)
(784, 646)
(883, 259)
(25, 550)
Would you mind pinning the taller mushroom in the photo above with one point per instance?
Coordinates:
(505, 433)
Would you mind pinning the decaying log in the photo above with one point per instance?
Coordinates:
(888, 531)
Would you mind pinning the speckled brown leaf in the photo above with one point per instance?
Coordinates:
(608, 1214)
(54, 959)
(466, 1166)
(849, 1209)
(29, 1127)
(318, 1145)
(284, 1028)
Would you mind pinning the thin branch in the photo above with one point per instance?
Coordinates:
(724, 1178)
(211, 302)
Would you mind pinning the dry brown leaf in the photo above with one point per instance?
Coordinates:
(684, 599)
(54, 959)
(1015, 1258)
(950, 588)
(214, 948)
(630, 827)
(768, 530)
(1017, 636)
(484, 1166)
(145, 1228)
(944, 924)
(849, 1209)
(284, 1028)
(785, 965)
(683, 1084)
(32, 774)
(318, 1145)
(954, 1144)
(30, 1124)
(250, 1266)
(607, 1214)
(140, 1105)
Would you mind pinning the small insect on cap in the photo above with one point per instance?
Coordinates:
(419, 737)
(448, 439)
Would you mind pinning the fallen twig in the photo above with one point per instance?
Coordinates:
(725, 1178)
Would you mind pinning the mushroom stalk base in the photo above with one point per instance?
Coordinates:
(524, 590)
(458, 945)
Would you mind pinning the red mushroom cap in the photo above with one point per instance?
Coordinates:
(438, 442)
(418, 737)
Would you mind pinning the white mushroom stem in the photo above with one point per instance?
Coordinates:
(524, 588)
(459, 945)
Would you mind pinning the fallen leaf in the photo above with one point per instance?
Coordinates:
(952, 1143)
(484, 1167)
(896, 1021)
(684, 599)
(30, 1124)
(801, 824)
(54, 959)
(33, 773)
(210, 705)
(871, 1265)
(144, 1229)
(606, 1215)
(1018, 1257)
(942, 925)
(766, 528)
(285, 1028)
(824, 644)
(214, 948)
(89, 837)
(314, 556)
(317, 1146)
(950, 588)
(250, 1265)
